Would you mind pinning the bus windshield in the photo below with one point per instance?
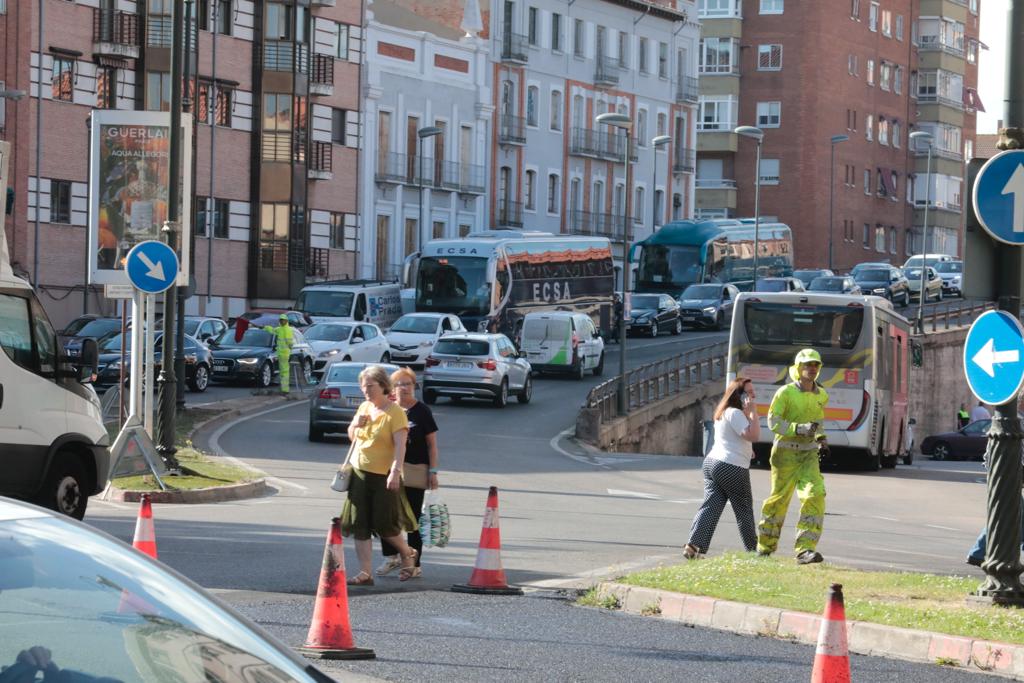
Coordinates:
(325, 303)
(778, 324)
(663, 265)
(453, 284)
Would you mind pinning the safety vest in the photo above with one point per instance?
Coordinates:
(284, 336)
(790, 406)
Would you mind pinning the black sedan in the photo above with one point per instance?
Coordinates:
(967, 443)
(198, 362)
(653, 314)
(708, 305)
(251, 356)
(93, 328)
(884, 281)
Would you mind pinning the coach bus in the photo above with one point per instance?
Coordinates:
(685, 252)
(491, 279)
(863, 344)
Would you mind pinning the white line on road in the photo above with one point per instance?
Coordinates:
(943, 528)
(215, 443)
(633, 494)
(572, 456)
(887, 519)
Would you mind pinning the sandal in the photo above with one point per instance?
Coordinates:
(691, 552)
(409, 569)
(361, 579)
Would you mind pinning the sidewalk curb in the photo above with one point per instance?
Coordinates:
(865, 638)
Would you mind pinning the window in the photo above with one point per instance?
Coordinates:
(217, 212)
(341, 44)
(277, 21)
(201, 96)
(851, 65)
(553, 192)
(556, 32)
(771, 6)
(769, 172)
(883, 131)
(855, 9)
(343, 231)
(716, 114)
(662, 122)
(873, 17)
(896, 134)
(437, 230)
(641, 127)
(869, 127)
(464, 229)
(338, 126)
(556, 110)
(769, 57)
(899, 27)
(867, 235)
(531, 190)
(662, 60)
(882, 190)
(158, 91)
(887, 23)
(623, 50)
(867, 181)
(642, 57)
(222, 106)
(885, 76)
(638, 205)
(106, 87)
(532, 94)
(18, 325)
(897, 80)
(972, 51)
(60, 201)
(880, 238)
(870, 71)
(63, 79)
(202, 9)
(531, 26)
(718, 56)
(894, 185)
(224, 17)
(892, 240)
(769, 114)
(577, 37)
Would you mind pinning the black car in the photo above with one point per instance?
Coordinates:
(251, 357)
(708, 305)
(884, 281)
(835, 284)
(807, 275)
(779, 284)
(198, 361)
(654, 313)
(93, 328)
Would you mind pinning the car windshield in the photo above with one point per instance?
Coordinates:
(913, 273)
(701, 292)
(99, 327)
(827, 284)
(770, 286)
(323, 302)
(640, 301)
(808, 276)
(252, 337)
(950, 267)
(777, 324)
(344, 374)
(328, 332)
(462, 347)
(415, 324)
(873, 275)
(76, 325)
(191, 326)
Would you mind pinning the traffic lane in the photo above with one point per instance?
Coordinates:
(217, 392)
(542, 637)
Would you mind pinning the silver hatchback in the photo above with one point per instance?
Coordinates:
(477, 365)
(338, 397)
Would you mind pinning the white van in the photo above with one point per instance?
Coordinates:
(369, 301)
(54, 449)
(930, 260)
(560, 341)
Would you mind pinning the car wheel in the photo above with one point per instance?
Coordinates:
(906, 299)
(599, 368)
(527, 393)
(307, 371)
(386, 358)
(265, 375)
(938, 297)
(719, 321)
(200, 379)
(429, 397)
(577, 370)
(678, 329)
(66, 487)
(941, 451)
(501, 400)
(315, 435)
(654, 329)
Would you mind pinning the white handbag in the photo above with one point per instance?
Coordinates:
(343, 475)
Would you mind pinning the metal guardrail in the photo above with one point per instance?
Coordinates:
(950, 316)
(660, 379)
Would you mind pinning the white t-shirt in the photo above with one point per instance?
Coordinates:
(729, 446)
(979, 413)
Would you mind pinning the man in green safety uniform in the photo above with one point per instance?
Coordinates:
(284, 339)
(796, 417)
(963, 418)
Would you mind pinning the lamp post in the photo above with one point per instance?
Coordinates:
(929, 139)
(624, 123)
(656, 142)
(423, 134)
(758, 135)
(836, 139)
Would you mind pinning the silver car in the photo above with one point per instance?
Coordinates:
(338, 397)
(477, 365)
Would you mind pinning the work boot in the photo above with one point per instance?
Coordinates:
(764, 553)
(809, 557)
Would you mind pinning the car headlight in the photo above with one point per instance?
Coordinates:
(426, 344)
(248, 361)
(880, 290)
(955, 280)
(328, 353)
(114, 365)
(709, 309)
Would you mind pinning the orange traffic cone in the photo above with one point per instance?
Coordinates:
(831, 659)
(145, 533)
(488, 576)
(330, 635)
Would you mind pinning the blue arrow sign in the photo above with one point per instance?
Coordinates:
(994, 357)
(999, 197)
(152, 266)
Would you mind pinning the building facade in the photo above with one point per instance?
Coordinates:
(811, 74)
(275, 92)
(556, 66)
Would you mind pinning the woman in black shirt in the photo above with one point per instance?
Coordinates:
(420, 452)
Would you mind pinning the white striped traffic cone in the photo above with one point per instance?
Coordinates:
(831, 658)
(488, 575)
(145, 533)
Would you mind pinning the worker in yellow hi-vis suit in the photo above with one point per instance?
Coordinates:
(796, 417)
(285, 338)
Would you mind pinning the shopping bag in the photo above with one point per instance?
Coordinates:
(435, 524)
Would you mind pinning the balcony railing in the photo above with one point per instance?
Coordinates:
(733, 10)
(285, 55)
(940, 99)
(600, 145)
(113, 27)
(937, 44)
(514, 48)
(159, 31)
(732, 69)
(953, 154)
(685, 161)
(285, 146)
(512, 129)
(395, 168)
(607, 71)
(510, 214)
(321, 160)
(715, 126)
(318, 264)
(715, 184)
(321, 81)
(687, 89)
(457, 176)
(599, 224)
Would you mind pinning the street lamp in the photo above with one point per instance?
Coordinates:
(624, 123)
(423, 134)
(656, 142)
(929, 139)
(835, 140)
(758, 135)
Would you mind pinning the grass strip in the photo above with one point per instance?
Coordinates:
(905, 599)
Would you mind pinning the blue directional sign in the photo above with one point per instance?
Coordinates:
(999, 197)
(152, 266)
(994, 357)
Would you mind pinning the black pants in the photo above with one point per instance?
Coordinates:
(415, 497)
(724, 482)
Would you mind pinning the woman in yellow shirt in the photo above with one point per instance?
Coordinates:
(376, 503)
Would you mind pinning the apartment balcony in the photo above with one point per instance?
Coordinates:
(285, 55)
(934, 98)
(714, 136)
(715, 193)
(322, 3)
(396, 168)
(321, 161)
(510, 214)
(586, 142)
(937, 44)
(607, 71)
(599, 225)
(159, 31)
(938, 153)
(732, 69)
(939, 216)
(730, 10)
(318, 264)
(321, 80)
(285, 146)
(687, 90)
(685, 161)
(458, 177)
(115, 33)
(514, 48)
(511, 129)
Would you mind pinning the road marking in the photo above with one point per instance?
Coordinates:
(215, 444)
(943, 528)
(897, 550)
(633, 494)
(572, 456)
(887, 519)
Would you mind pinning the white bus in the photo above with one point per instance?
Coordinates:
(863, 344)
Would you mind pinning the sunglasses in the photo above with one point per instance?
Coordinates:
(405, 384)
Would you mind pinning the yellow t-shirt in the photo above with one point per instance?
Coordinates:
(376, 450)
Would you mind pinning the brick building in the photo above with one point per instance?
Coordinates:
(276, 87)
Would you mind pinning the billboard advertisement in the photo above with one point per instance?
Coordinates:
(129, 183)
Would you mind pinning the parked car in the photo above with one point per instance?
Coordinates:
(855, 271)
(123, 616)
(835, 284)
(932, 283)
(251, 357)
(929, 260)
(654, 313)
(346, 341)
(413, 335)
(560, 341)
(477, 365)
(97, 329)
(885, 281)
(204, 328)
(952, 274)
(966, 443)
(807, 275)
(708, 305)
(332, 408)
(198, 361)
(779, 284)
(77, 324)
(271, 316)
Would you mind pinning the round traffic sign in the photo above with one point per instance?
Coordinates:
(151, 266)
(998, 197)
(994, 357)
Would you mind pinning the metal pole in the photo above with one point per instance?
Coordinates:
(623, 397)
(924, 235)
(831, 192)
(135, 375)
(148, 365)
(419, 228)
(124, 359)
(654, 190)
(167, 381)
(757, 208)
(186, 105)
(39, 148)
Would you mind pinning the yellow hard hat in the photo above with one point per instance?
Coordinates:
(807, 356)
